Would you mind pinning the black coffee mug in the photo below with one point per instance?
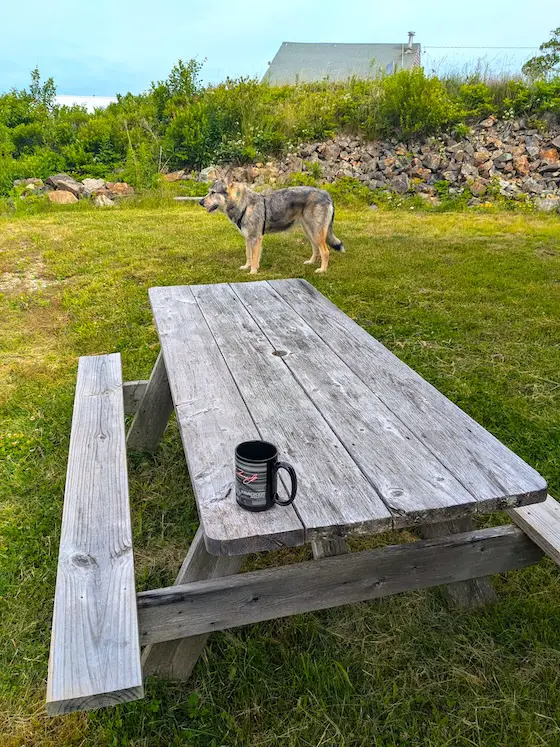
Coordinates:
(256, 476)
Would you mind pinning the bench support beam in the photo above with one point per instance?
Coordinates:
(474, 592)
(218, 604)
(175, 660)
(153, 412)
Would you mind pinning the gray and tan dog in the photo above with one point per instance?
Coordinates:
(256, 214)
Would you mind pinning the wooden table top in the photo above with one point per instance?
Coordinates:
(374, 445)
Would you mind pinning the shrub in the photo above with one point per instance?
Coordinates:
(410, 104)
(476, 100)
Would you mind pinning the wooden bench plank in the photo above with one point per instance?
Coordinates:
(213, 419)
(332, 490)
(413, 484)
(494, 475)
(95, 652)
(219, 604)
(541, 522)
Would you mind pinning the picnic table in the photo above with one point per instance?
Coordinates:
(375, 448)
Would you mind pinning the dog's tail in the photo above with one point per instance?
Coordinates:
(332, 240)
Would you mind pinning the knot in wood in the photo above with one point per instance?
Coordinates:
(82, 560)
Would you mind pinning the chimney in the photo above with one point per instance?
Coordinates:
(410, 40)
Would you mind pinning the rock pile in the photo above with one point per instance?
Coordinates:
(64, 190)
(508, 156)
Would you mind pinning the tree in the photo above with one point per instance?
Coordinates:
(547, 64)
(42, 93)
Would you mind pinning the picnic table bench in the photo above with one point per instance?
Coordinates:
(375, 448)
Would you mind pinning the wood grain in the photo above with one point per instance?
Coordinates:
(95, 654)
(133, 391)
(413, 484)
(332, 490)
(213, 419)
(475, 592)
(541, 522)
(495, 476)
(175, 660)
(329, 547)
(204, 606)
(153, 411)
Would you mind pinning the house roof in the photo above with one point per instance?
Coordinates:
(303, 62)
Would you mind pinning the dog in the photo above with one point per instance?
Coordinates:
(255, 214)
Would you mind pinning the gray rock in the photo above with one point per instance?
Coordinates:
(92, 185)
(556, 142)
(531, 186)
(27, 182)
(209, 174)
(400, 183)
(547, 204)
(450, 176)
(432, 161)
(67, 184)
(102, 200)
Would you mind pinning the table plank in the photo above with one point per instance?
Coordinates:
(495, 476)
(413, 484)
(213, 418)
(95, 649)
(332, 491)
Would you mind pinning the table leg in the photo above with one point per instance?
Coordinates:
(328, 547)
(475, 592)
(153, 413)
(175, 660)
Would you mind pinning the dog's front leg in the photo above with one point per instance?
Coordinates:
(256, 248)
(248, 255)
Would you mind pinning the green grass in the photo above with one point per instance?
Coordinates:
(470, 301)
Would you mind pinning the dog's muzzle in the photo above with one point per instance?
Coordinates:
(201, 202)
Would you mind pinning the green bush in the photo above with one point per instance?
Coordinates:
(179, 123)
(411, 104)
(476, 100)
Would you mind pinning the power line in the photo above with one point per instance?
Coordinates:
(424, 46)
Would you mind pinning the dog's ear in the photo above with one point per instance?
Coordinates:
(220, 186)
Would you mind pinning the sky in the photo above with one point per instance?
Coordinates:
(105, 47)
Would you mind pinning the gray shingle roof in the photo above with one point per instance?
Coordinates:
(302, 62)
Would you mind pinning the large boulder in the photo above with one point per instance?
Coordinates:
(400, 183)
(62, 197)
(102, 200)
(209, 174)
(91, 186)
(66, 183)
(175, 176)
(28, 182)
(119, 189)
(547, 204)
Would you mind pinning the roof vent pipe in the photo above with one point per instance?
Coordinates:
(410, 41)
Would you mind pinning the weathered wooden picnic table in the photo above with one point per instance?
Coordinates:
(375, 448)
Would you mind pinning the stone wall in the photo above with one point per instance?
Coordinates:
(516, 159)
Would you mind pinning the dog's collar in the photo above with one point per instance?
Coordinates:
(240, 219)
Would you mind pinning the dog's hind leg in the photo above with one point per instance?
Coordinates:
(315, 256)
(324, 249)
(248, 256)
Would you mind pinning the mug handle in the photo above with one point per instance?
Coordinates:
(293, 478)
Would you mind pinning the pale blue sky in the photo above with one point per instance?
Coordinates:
(103, 47)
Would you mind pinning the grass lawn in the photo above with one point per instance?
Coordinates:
(471, 301)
